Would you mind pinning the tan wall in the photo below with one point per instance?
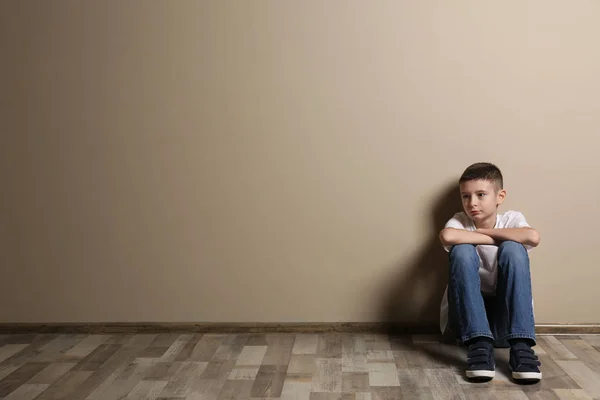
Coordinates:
(286, 161)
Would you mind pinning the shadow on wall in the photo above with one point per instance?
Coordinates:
(413, 298)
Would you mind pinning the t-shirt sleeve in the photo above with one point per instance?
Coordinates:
(456, 223)
(517, 220)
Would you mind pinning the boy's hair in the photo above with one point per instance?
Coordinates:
(483, 171)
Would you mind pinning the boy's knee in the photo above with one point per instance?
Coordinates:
(514, 251)
(463, 252)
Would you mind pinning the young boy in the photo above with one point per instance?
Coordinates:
(488, 298)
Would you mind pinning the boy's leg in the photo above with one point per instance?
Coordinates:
(515, 309)
(513, 293)
(464, 294)
(468, 311)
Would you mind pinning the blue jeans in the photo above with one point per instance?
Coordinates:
(508, 314)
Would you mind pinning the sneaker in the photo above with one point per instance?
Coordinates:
(480, 360)
(524, 363)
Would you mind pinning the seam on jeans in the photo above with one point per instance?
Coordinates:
(475, 334)
(519, 336)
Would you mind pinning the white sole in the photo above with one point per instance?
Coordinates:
(527, 375)
(481, 374)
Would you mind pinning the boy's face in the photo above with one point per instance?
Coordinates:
(481, 198)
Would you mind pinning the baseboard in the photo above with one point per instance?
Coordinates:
(568, 329)
(207, 327)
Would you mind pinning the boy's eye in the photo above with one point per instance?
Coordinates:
(481, 194)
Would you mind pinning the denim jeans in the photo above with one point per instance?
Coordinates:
(506, 315)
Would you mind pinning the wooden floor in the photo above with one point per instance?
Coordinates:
(279, 365)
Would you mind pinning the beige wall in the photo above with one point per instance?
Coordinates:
(286, 161)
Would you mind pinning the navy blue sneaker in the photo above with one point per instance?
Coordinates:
(481, 362)
(523, 363)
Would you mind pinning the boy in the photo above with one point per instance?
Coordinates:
(489, 298)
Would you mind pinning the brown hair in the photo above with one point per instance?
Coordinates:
(483, 171)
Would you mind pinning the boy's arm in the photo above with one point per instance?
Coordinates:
(527, 236)
(453, 236)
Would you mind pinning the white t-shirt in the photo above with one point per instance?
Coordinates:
(488, 261)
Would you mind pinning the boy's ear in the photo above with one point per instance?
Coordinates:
(501, 196)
